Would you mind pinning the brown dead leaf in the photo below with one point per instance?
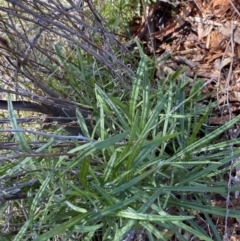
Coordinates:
(219, 63)
(216, 3)
(219, 7)
(228, 29)
(235, 238)
(203, 30)
(215, 39)
(219, 120)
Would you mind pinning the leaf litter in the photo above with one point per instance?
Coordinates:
(203, 38)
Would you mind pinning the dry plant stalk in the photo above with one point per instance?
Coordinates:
(29, 29)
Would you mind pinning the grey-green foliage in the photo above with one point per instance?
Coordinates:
(160, 154)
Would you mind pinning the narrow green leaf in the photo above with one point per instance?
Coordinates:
(90, 148)
(82, 123)
(75, 208)
(132, 182)
(136, 87)
(113, 209)
(109, 168)
(152, 217)
(206, 139)
(108, 198)
(205, 208)
(145, 102)
(84, 171)
(22, 231)
(86, 229)
(61, 228)
(39, 194)
(14, 124)
(114, 108)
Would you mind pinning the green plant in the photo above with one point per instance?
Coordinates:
(158, 171)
